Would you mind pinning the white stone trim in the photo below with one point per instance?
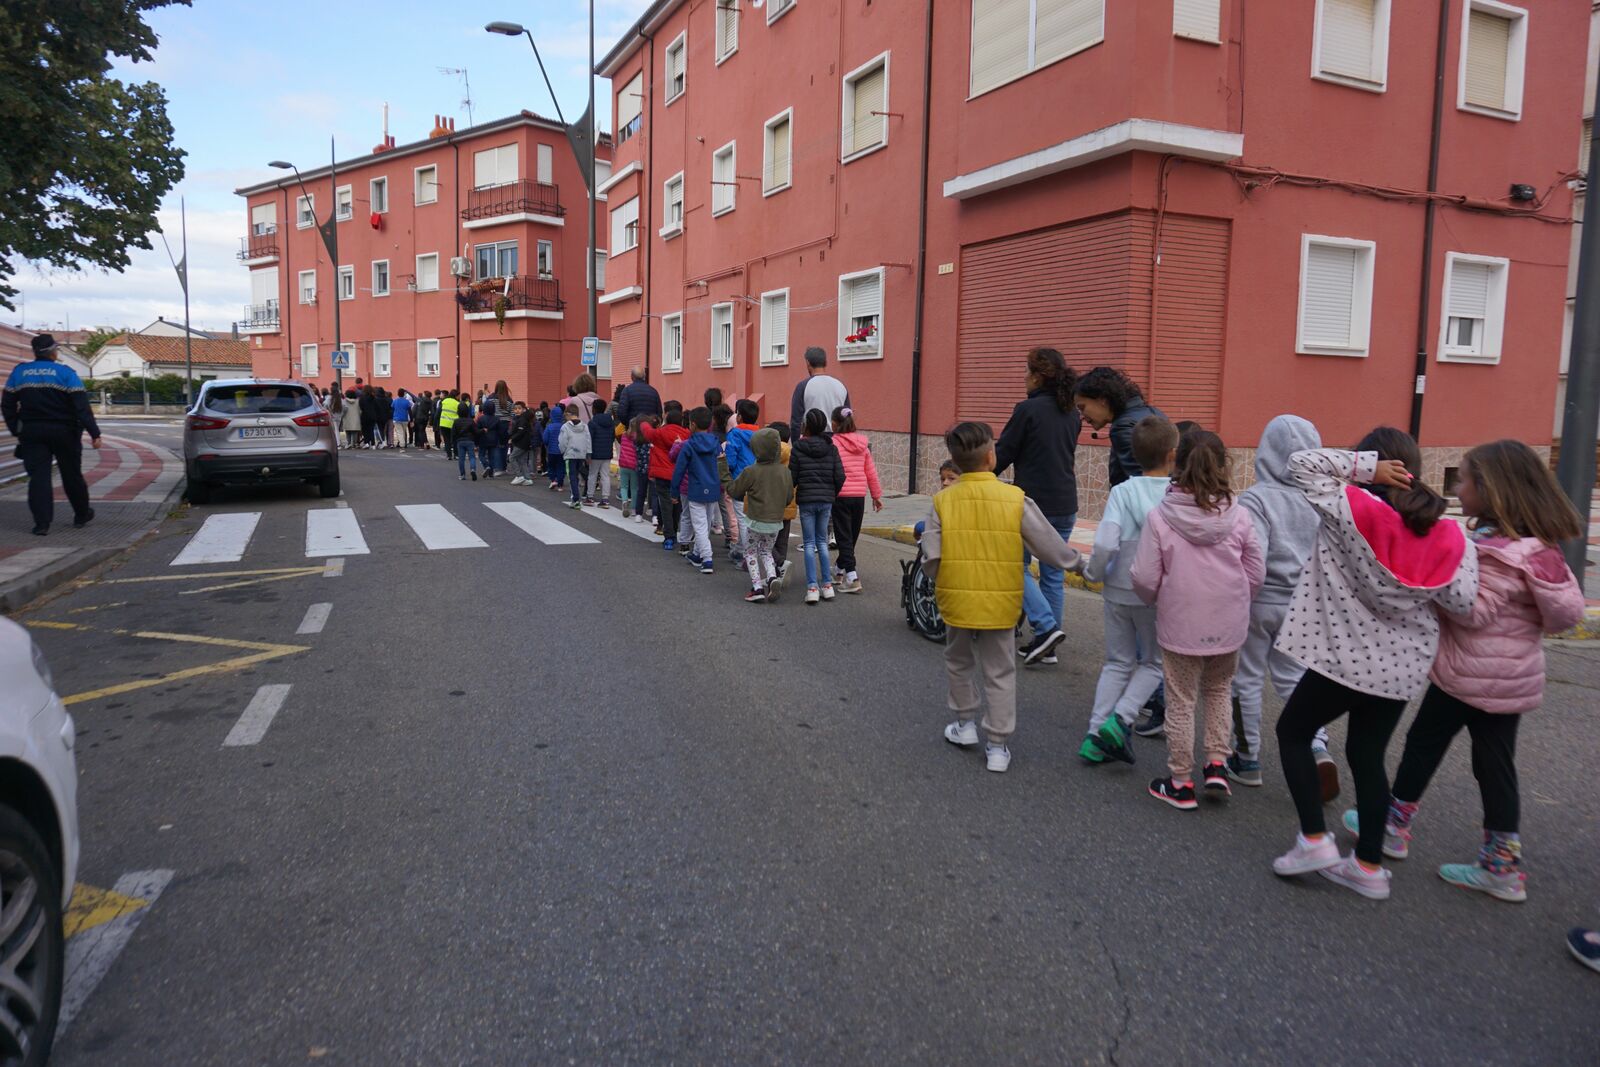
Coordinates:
(620, 294)
(520, 216)
(631, 168)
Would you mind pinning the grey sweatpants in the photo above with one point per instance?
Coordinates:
(1133, 664)
(982, 668)
(1258, 660)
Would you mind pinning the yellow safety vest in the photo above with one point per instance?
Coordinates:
(980, 553)
(449, 409)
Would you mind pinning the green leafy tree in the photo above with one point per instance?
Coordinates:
(95, 342)
(85, 159)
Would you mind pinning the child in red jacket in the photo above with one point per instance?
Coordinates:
(661, 438)
(860, 479)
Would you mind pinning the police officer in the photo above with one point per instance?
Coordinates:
(46, 408)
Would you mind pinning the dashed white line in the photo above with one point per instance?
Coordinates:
(316, 618)
(90, 954)
(258, 715)
(334, 532)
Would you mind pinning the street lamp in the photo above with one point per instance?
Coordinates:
(330, 239)
(516, 29)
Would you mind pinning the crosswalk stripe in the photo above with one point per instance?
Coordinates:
(613, 517)
(257, 716)
(437, 528)
(220, 539)
(334, 532)
(539, 525)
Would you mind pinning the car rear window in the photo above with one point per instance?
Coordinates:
(258, 399)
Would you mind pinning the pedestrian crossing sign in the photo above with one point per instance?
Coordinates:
(340, 360)
(591, 351)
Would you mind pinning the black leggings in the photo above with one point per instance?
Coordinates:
(848, 511)
(1316, 702)
(1494, 755)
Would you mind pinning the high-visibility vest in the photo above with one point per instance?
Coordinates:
(449, 408)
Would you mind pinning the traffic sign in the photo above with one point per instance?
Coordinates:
(591, 351)
(340, 360)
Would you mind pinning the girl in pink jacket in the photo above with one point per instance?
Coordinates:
(860, 480)
(1490, 666)
(1200, 564)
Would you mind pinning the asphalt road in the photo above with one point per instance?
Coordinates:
(532, 803)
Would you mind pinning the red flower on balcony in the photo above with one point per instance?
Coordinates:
(863, 334)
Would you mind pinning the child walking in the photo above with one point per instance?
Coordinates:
(860, 479)
(1490, 667)
(972, 547)
(555, 466)
(574, 442)
(763, 490)
(736, 456)
(1200, 564)
(818, 477)
(661, 437)
(602, 445)
(1362, 622)
(780, 547)
(696, 473)
(522, 434)
(628, 467)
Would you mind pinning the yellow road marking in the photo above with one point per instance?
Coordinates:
(253, 581)
(98, 607)
(92, 906)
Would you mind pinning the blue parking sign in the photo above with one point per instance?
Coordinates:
(591, 351)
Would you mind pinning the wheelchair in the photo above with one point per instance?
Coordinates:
(917, 598)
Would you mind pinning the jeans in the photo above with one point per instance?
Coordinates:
(1048, 591)
(522, 463)
(466, 450)
(575, 478)
(498, 453)
(814, 534)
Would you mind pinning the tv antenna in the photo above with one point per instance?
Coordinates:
(466, 88)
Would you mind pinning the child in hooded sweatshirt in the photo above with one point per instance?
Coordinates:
(1132, 669)
(554, 464)
(860, 479)
(1490, 667)
(763, 489)
(1362, 622)
(736, 456)
(661, 436)
(696, 472)
(1200, 564)
(574, 443)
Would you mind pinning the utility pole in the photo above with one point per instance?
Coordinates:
(333, 250)
(594, 146)
(1581, 414)
(188, 334)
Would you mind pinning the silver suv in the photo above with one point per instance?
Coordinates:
(259, 431)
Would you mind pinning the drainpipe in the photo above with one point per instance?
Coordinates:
(455, 201)
(1424, 299)
(922, 254)
(646, 200)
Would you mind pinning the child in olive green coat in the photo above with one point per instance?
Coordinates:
(765, 488)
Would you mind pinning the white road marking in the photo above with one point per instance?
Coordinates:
(89, 955)
(258, 715)
(539, 525)
(437, 528)
(334, 532)
(334, 568)
(613, 517)
(316, 618)
(220, 539)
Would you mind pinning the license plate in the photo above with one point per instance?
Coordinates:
(246, 433)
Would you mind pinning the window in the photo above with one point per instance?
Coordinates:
(308, 361)
(775, 170)
(1012, 38)
(546, 252)
(308, 287)
(722, 335)
(427, 272)
(494, 166)
(380, 277)
(382, 364)
(597, 271)
(625, 227)
(775, 328)
(1351, 43)
(776, 8)
(496, 259)
(677, 66)
(264, 219)
(378, 194)
(866, 92)
(344, 203)
(672, 209)
(428, 358)
(727, 28)
(724, 181)
(602, 174)
(1198, 20)
(1335, 296)
(1493, 53)
(1474, 308)
(544, 162)
(602, 360)
(861, 313)
(347, 283)
(671, 343)
(425, 185)
(305, 211)
(630, 102)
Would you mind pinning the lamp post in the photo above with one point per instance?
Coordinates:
(330, 239)
(514, 29)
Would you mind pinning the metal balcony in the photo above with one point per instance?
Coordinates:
(513, 198)
(525, 293)
(260, 318)
(261, 245)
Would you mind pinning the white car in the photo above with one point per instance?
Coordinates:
(38, 846)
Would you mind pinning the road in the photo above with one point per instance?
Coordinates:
(534, 802)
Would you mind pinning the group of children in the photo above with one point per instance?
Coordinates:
(1336, 575)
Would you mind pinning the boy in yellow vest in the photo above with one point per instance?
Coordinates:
(973, 547)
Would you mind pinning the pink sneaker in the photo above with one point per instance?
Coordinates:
(1307, 856)
(1374, 885)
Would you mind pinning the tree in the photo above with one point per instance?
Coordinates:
(85, 159)
(95, 342)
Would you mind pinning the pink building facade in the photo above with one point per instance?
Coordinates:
(1228, 202)
(462, 261)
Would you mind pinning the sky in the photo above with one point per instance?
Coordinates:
(247, 82)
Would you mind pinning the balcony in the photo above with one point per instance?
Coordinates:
(260, 247)
(519, 201)
(520, 297)
(260, 318)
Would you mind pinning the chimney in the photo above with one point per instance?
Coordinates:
(442, 127)
(236, 331)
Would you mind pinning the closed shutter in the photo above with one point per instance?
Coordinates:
(1327, 298)
(1348, 29)
(1488, 52)
(675, 68)
(630, 101)
(1585, 145)
(778, 156)
(1199, 19)
(723, 189)
(624, 226)
(627, 345)
(866, 129)
(775, 328)
(999, 42)
(1062, 27)
(727, 26)
(1191, 318)
(263, 285)
(1469, 290)
(495, 166)
(866, 296)
(546, 164)
(263, 218)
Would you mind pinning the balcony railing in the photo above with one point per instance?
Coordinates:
(513, 198)
(259, 245)
(260, 316)
(525, 293)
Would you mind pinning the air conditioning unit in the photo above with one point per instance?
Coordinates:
(460, 267)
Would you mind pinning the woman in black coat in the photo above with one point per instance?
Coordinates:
(1107, 397)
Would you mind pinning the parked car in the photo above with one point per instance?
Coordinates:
(259, 431)
(38, 846)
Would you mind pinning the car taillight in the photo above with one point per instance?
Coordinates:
(204, 422)
(319, 419)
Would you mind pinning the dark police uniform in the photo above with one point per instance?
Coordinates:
(46, 407)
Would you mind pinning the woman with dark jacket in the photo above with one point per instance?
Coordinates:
(369, 416)
(1041, 440)
(1107, 397)
(818, 476)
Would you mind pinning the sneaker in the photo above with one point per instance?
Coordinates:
(1155, 725)
(1244, 771)
(694, 560)
(638, 518)
(1042, 645)
(517, 480)
(1307, 856)
(604, 504)
(627, 513)
(1179, 796)
(1512, 887)
(1112, 740)
(1048, 660)
(1327, 774)
(774, 587)
(850, 585)
(811, 594)
(575, 505)
(961, 733)
(588, 501)
(1374, 885)
(1090, 751)
(686, 548)
(40, 529)
(1216, 779)
(669, 544)
(827, 592)
(783, 569)
(474, 475)
(1396, 842)
(755, 596)
(736, 557)
(1585, 946)
(463, 477)
(996, 757)
(707, 568)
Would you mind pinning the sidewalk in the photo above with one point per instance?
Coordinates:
(131, 486)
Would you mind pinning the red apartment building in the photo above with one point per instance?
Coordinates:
(1228, 201)
(461, 262)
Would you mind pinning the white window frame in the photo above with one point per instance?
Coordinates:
(544, 164)
(866, 349)
(718, 323)
(730, 191)
(1360, 312)
(388, 278)
(544, 258)
(345, 282)
(384, 367)
(669, 227)
(615, 251)
(499, 177)
(786, 115)
(374, 195)
(602, 174)
(596, 279)
(418, 276)
(848, 105)
(672, 325)
(1034, 66)
(776, 9)
(680, 44)
(311, 369)
(767, 357)
(1494, 323)
(1516, 59)
(344, 203)
(718, 44)
(494, 248)
(425, 191)
(300, 287)
(1380, 52)
(305, 205)
(422, 368)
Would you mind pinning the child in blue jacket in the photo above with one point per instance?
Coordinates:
(696, 471)
(552, 448)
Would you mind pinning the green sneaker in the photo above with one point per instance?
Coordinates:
(1512, 887)
(1112, 741)
(1090, 752)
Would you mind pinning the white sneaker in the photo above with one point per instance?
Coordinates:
(827, 592)
(962, 733)
(1374, 885)
(812, 596)
(997, 757)
(638, 518)
(1396, 843)
(1307, 856)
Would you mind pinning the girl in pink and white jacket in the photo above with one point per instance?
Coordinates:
(1490, 667)
(860, 480)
